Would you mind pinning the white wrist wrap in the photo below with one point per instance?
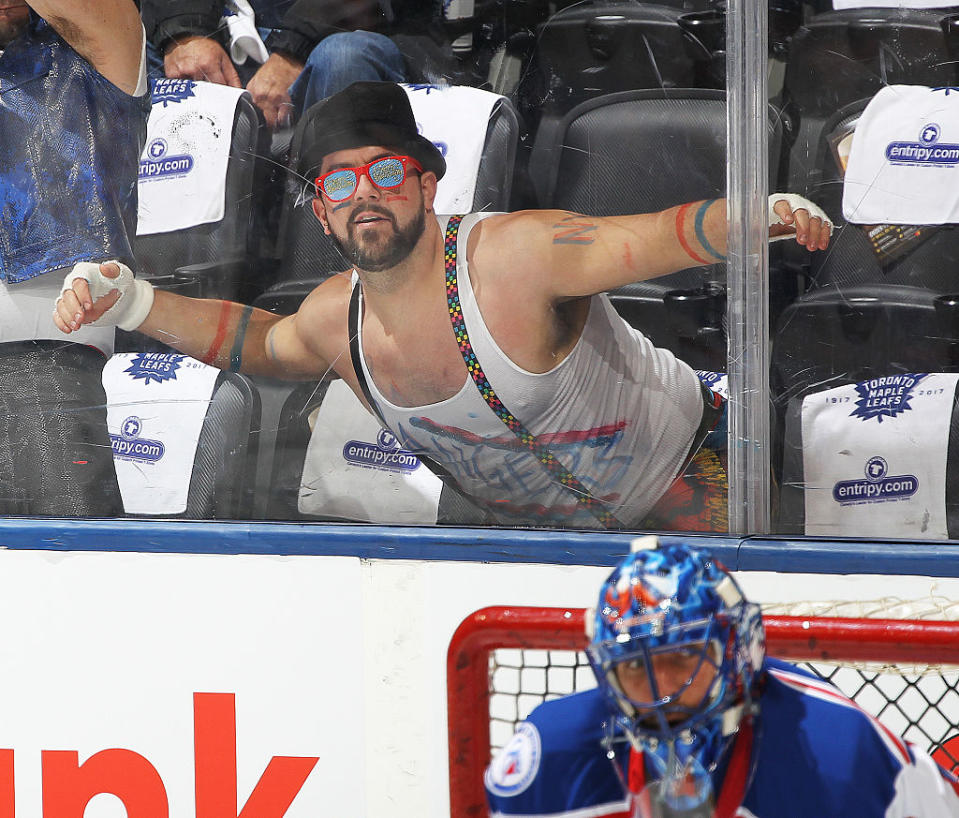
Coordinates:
(795, 202)
(134, 303)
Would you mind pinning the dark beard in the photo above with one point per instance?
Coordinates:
(377, 257)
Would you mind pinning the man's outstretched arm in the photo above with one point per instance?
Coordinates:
(107, 33)
(572, 255)
(220, 333)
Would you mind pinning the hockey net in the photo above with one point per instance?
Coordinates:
(899, 660)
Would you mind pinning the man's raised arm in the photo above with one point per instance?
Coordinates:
(572, 255)
(219, 333)
(107, 33)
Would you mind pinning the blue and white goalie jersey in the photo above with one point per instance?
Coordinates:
(815, 754)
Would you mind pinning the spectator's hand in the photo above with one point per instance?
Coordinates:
(270, 89)
(106, 294)
(200, 58)
(792, 215)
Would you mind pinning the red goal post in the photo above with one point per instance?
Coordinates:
(836, 640)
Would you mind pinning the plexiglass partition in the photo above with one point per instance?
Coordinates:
(861, 363)
(601, 336)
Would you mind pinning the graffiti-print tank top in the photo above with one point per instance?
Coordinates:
(617, 411)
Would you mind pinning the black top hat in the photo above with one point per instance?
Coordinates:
(365, 113)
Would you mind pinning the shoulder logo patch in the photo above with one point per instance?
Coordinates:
(515, 766)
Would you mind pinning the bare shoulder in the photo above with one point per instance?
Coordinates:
(321, 321)
(527, 229)
(507, 236)
(511, 226)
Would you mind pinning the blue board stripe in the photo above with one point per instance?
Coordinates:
(935, 559)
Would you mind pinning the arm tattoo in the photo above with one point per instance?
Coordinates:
(214, 349)
(270, 346)
(700, 233)
(236, 351)
(573, 230)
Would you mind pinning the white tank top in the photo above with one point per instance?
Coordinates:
(617, 412)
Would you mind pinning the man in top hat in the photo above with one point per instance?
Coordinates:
(483, 342)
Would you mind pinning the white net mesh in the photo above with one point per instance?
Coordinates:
(918, 702)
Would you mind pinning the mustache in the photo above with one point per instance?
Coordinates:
(371, 208)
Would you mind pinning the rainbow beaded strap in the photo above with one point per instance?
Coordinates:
(549, 462)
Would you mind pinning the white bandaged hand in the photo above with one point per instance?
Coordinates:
(134, 303)
(795, 202)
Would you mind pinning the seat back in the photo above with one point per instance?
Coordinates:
(599, 47)
(221, 484)
(634, 152)
(210, 248)
(159, 404)
(926, 262)
(834, 336)
(333, 461)
(838, 57)
(603, 46)
(837, 335)
(875, 457)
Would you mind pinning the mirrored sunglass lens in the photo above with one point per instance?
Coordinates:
(340, 185)
(387, 173)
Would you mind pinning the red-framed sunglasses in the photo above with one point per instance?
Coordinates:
(386, 172)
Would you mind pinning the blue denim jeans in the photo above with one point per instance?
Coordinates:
(337, 61)
(345, 58)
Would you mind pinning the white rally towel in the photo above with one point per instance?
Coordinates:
(156, 404)
(455, 119)
(874, 457)
(904, 160)
(356, 470)
(245, 39)
(183, 168)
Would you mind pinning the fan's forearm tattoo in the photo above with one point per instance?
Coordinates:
(704, 252)
(236, 351)
(227, 310)
(210, 356)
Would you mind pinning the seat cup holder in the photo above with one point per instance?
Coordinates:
(604, 35)
(697, 311)
(704, 36)
(947, 315)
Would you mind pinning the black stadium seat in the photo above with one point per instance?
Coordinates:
(222, 478)
(217, 259)
(295, 428)
(838, 57)
(222, 481)
(590, 49)
(839, 335)
(851, 260)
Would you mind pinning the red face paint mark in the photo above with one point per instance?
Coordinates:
(397, 198)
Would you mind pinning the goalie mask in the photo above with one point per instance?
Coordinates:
(677, 650)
